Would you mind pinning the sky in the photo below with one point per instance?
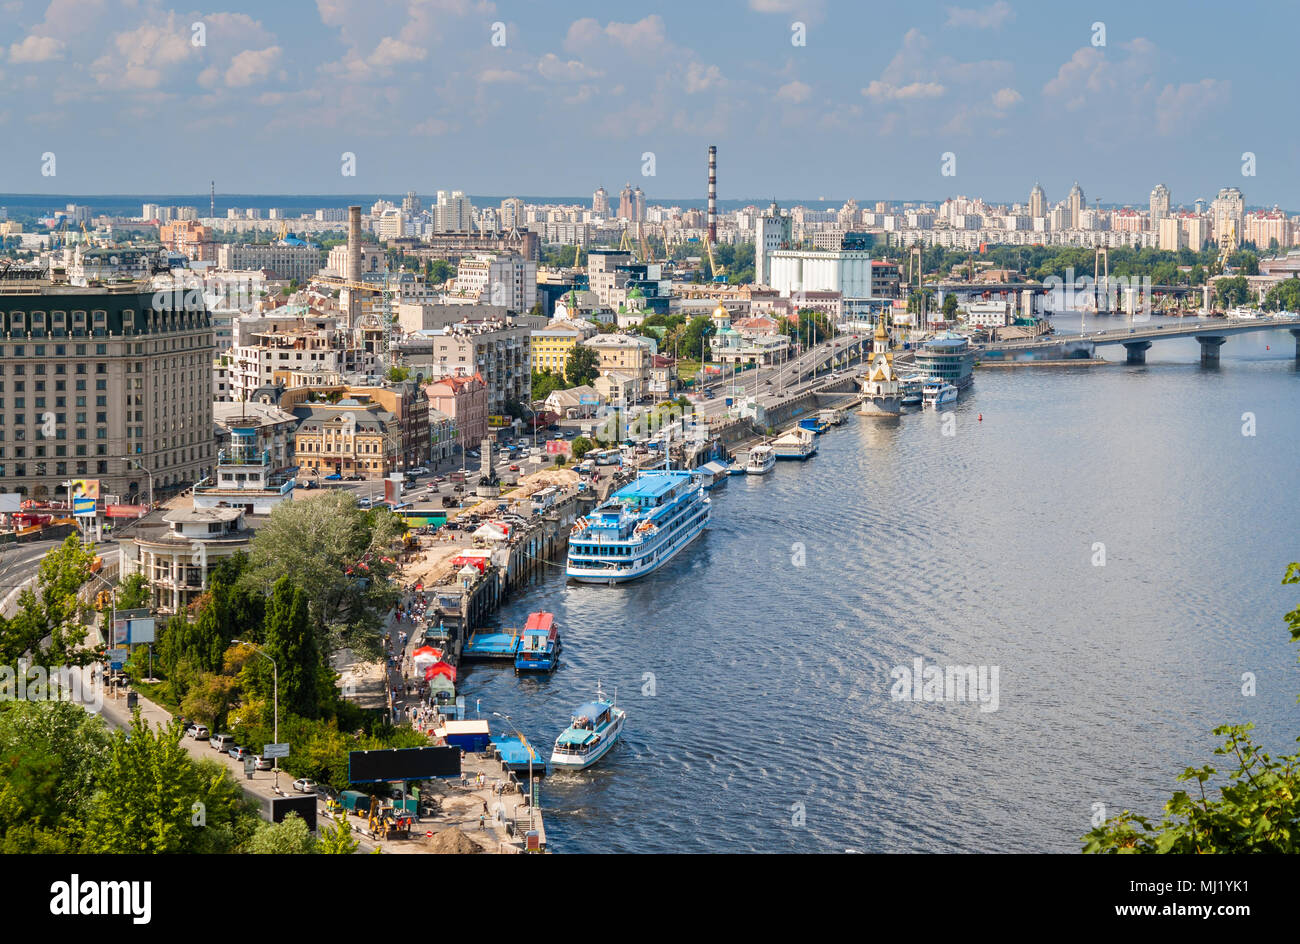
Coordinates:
(803, 98)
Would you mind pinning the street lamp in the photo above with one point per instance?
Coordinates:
(140, 465)
(524, 740)
(275, 676)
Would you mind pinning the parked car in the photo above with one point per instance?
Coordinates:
(221, 742)
(333, 477)
(239, 753)
(197, 732)
(356, 478)
(264, 763)
(304, 785)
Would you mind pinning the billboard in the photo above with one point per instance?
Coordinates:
(407, 763)
(10, 503)
(85, 488)
(125, 511)
(83, 507)
(133, 626)
(393, 491)
(304, 806)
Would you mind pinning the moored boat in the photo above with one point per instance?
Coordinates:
(539, 644)
(591, 733)
(761, 460)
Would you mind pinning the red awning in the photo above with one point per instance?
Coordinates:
(440, 668)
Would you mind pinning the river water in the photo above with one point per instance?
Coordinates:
(755, 668)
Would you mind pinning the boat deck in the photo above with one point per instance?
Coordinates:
(491, 644)
(514, 756)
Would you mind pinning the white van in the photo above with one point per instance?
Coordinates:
(221, 742)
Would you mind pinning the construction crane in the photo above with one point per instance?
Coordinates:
(719, 273)
(1227, 244)
(284, 230)
(386, 311)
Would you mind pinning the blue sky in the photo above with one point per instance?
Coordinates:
(417, 90)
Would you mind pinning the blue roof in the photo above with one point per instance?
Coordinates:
(651, 486)
(592, 710)
(946, 342)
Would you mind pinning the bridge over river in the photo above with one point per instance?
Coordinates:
(1212, 333)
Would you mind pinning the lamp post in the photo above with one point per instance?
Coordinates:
(140, 465)
(112, 615)
(524, 740)
(275, 677)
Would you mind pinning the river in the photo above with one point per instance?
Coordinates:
(755, 667)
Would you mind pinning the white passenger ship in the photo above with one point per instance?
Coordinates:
(638, 529)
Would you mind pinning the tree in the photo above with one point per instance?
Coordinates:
(154, 799)
(949, 307)
(545, 383)
(396, 374)
(1257, 810)
(51, 611)
(290, 836)
(1231, 292)
(1284, 296)
(580, 367)
(291, 643)
(337, 554)
(581, 446)
(336, 839)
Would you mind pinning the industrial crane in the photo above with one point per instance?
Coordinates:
(719, 273)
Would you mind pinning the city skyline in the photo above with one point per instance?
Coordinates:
(573, 99)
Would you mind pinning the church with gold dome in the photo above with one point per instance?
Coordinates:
(880, 387)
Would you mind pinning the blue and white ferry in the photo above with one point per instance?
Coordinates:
(592, 732)
(639, 528)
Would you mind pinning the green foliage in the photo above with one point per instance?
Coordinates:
(949, 308)
(396, 374)
(154, 799)
(50, 608)
(581, 446)
(290, 836)
(334, 552)
(1232, 291)
(336, 839)
(1284, 296)
(1257, 810)
(545, 383)
(291, 643)
(580, 366)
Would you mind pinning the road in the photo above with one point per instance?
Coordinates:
(18, 564)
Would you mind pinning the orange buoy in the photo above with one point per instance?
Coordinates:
(981, 417)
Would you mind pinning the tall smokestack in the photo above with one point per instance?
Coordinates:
(713, 193)
(354, 244)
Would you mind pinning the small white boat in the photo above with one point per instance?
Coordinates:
(936, 393)
(592, 732)
(761, 460)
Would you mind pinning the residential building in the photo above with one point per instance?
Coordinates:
(501, 280)
(497, 351)
(551, 346)
(1159, 204)
(289, 261)
(177, 557)
(348, 438)
(464, 401)
(628, 354)
(90, 376)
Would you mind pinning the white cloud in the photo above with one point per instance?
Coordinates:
(700, 77)
(252, 66)
(1007, 98)
(794, 92)
(36, 49)
(989, 17)
(645, 35)
(1179, 105)
(556, 69)
(500, 75)
(391, 51)
(885, 92)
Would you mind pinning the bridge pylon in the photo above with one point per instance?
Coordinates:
(1210, 344)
